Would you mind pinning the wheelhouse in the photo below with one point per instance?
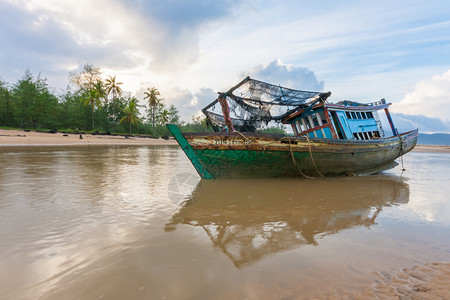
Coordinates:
(342, 120)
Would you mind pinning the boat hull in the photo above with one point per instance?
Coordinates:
(235, 155)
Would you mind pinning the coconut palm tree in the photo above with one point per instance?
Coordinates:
(131, 113)
(113, 88)
(164, 117)
(92, 97)
(99, 86)
(152, 97)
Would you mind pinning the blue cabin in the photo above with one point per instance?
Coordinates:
(343, 120)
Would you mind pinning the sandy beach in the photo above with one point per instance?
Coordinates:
(32, 138)
(432, 148)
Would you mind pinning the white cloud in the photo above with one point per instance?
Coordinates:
(189, 103)
(430, 97)
(277, 72)
(56, 34)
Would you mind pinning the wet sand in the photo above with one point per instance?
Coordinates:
(429, 281)
(32, 138)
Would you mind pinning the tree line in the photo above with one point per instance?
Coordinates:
(90, 103)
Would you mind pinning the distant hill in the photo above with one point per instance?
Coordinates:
(434, 139)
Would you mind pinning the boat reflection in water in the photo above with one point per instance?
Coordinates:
(249, 219)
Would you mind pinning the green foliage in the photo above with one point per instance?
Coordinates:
(280, 129)
(153, 100)
(173, 115)
(89, 103)
(131, 113)
(89, 84)
(163, 116)
(112, 88)
(198, 124)
(36, 106)
(7, 107)
(73, 114)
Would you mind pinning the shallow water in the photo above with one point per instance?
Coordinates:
(120, 222)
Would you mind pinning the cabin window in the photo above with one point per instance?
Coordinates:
(322, 117)
(358, 114)
(319, 119)
(355, 135)
(366, 137)
(363, 115)
(369, 115)
(337, 126)
(370, 134)
(348, 115)
(361, 136)
(311, 122)
(315, 120)
(299, 126)
(353, 115)
(305, 125)
(376, 134)
(294, 128)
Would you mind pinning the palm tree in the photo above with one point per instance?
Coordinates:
(112, 87)
(131, 113)
(164, 117)
(92, 97)
(152, 97)
(99, 86)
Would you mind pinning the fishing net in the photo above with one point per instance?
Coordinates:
(252, 105)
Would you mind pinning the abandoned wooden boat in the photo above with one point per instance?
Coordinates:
(328, 139)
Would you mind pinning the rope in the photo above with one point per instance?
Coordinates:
(400, 153)
(241, 135)
(294, 161)
(312, 159)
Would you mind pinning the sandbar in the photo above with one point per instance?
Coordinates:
(432, 148)
(36, 138)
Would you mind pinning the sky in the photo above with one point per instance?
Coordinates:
(192, 49)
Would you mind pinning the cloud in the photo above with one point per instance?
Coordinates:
(54, 36)
(276, 72)
(191, 104)
(180, 24)
(429, 97)
(177, 15)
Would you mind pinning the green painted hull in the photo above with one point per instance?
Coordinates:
(236, 155)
